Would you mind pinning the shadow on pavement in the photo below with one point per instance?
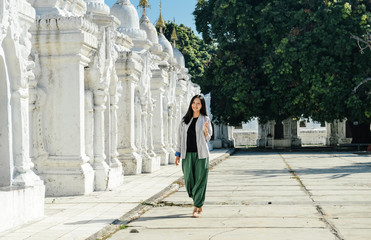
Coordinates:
(144, 219)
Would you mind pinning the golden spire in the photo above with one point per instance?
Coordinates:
(174, 37)
(143, 4)
(160, 23)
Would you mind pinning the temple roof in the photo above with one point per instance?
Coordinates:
(147, 26)
(166, 46)
(179, 57)
(128, 16)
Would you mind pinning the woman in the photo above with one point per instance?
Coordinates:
(194, 133)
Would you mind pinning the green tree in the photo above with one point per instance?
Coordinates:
(278, 59)
(196, 52)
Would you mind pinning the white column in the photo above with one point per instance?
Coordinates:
(171, 135)
(128, 67)
(156, 160)
(265, 134)
(295, 139)
(6, 140)
(336, 133)
(165, 115)
(100, 166)
(116, 174)
(22, 163)
(89, 125)
(180, 91)
(149, 162)
(106, 86)
(128, 152)
(64, 45)
(158, 83)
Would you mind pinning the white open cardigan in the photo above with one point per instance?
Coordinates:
(201, 140)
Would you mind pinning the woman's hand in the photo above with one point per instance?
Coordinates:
(177, 160)
(206, 126)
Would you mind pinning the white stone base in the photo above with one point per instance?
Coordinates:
(171, 156)
(108, 178)
(131, 163)
(164, 156)
(115, 176)
(19, 205)
(101, 176)
(64, 182)
(151, 164)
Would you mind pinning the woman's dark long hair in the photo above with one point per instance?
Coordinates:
(188, 116)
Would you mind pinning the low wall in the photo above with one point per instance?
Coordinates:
(245, 138)
(313, 136)
(307, 136)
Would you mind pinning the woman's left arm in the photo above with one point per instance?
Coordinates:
(208, 130)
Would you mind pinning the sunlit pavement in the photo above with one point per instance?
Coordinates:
(91, 216)
(268, 196)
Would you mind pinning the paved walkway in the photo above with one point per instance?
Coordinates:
(264, 196)
(82, 217)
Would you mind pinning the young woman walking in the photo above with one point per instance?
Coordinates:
(194, 132)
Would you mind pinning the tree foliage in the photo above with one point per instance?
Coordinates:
(196, 52)
(278, 59)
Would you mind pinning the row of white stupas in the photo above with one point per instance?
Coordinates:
(87, 94)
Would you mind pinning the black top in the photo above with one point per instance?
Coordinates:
(191, 137)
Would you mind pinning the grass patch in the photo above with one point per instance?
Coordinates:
(147, 204)
(123, 227)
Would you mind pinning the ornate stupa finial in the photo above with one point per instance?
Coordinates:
(143, 4)
(174, 37)
(160, 23)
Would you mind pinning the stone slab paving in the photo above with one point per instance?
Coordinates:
(80, 217)
(343, 180)
(281, 196)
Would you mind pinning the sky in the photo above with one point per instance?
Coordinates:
(178, 10)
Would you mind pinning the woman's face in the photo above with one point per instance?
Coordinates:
(196, 105)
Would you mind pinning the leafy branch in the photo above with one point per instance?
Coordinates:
(365, 39)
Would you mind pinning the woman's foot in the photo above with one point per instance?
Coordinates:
(195, 213)
(199, 211)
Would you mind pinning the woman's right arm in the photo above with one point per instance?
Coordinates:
(179, 144)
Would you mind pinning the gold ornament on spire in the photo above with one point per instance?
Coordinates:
(174, 37)
(160, 23)
(143, 4)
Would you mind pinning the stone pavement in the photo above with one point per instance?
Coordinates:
(264, 196)
(89, 217)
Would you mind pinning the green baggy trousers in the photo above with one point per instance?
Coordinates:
(195, 172)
